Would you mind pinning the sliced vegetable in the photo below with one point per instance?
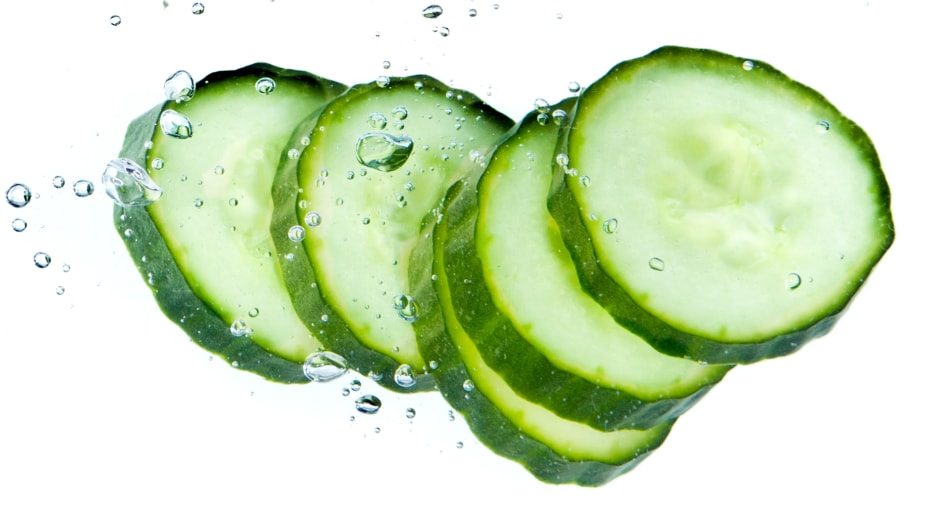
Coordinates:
(373, 166)
(204, 246)
(722, 210)
(515, 293)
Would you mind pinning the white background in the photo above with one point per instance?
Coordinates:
(104, 400)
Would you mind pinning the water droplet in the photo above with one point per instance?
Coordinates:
(472, 13)
(366, 220)
(383, 81)
(19, 225)
(406, 307)
(495, 6)
(83, 188)
(233, 202)
(58, 182)
(442, 30)
(584, 181)
(158, 164)
(18, 195)
(239, 328)
(459, 444)
(198, 203)
(386, 64)
(543, 119)
(254, 312)
(433, 365)
(542, 106)
(115, 20)
(400, 112)
(368, 404)
(432, 11)
(175, 124)
(377, 120)
(559, 116)
(418, 85)
(355, 385)
(404, 376)
(345, 392)
(410, 413)
(610, 225)
(324, 366)
(657, 264)
(312, 219)
(468, 385)
(574, 87)
(41, 259)
(60, 290)
(265, 85)
(197, 8)
(562, 160)
(382, 151)
(293, 153)
(748, 65)
(793, 281)
(66, 267)
(218, 170)
(128, 184)
(822, 126)
(296, 233)
(179, 87)
(325, 318)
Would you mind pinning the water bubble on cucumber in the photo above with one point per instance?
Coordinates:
(368, 404)
(442, 30)
(377, 120)
(822, 126)
(657, 264)
(542, 106)
(793, 281)
(179, 87)
(468, 386)
(406, 307)
(296, 233)
(610, 225)
(19, 195)
(748, 65)
(324, 366)
(400, 112)
(265, 85)
(175, 124)
(312, 219)
(355, 385)
(559, 116)
(240, 328)
(128, 184)
(404, 376)
(382, 151)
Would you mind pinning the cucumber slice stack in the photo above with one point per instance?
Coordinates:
(571, 284)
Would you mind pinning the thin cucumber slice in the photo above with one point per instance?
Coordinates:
(520, 302)
(377, 163)
(204, 246)
(553, 449)
(721, 209)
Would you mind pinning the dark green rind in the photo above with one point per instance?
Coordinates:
(305, 287)
(160, 271)
(497, 432)
(661, 334)
(501, 345)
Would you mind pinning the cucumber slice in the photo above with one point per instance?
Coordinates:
(552, 448)
(515, 293)
(721, 209)
(204, 246)
(378, 160)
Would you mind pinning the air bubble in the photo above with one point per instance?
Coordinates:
(179, 86)
(198, 203)
(610, 225)
(443, 31)
(312, 219)
(60, 290)
(584, 181)
(542, 106)
(822, 126)
(254, 312)
(433, 365)
(366, 220)
(386, 64)
(239, 328)
(410, 413)
(355, 385)
(472, 13)
(468, 386)
(324, 366)
(233, 202)
(293, 153)
(377, 120)
(382, 151)
(19, 195)
(41, 259)
(197, 8)
(115, 20)
(657, 264)
(459, 444)
(58, 182)
(406, 307)
(83, 188)
(175, 124)
(158, 164)
(432, 11)
(562, 160)
(383, 81)
(19, 225)
(296, 233)
(404, 376)
(368, 404)
(793, 281)
(400, 112)
(559, 116)
(748, 65)
(574, 87)
(543, 119)
(265, 85)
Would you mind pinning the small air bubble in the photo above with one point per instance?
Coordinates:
(66, 267)
(115, 20)
(265, 85)
(432, 11)
(366, 220)
(404, 376)
(368, 404)
(293, 153)
(175, 124)
(443, 31)
(296, 233)
(18, 195)
(355, 385)
(239, 328)
(58, 182)
(60, 290)
(400, 112)
(543, 119)
(386, 64)
(254, 312)
(158, 164)
(377, 120)
(610, 225)
(233, 202)
(19, 225)
(41, 259)
(559, 116)
(793, 281)
(584, 181)
(179, 86)
(312, 219)
(433, 365)
(574, 87)
(542, 106)
(383, 81)
(459, 444)
(472, 13)
(468, 385)
(197, 8)
(406, 307)
(198, 203)
(410, 413)
(822, 126)
(83, 188)
(748, 65)
(128, 184)
(324, 366)
(657, 264)
(562, 160)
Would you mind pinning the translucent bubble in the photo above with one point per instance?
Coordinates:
(115, 20)
(254, 312)
(386, 64)
(574, 87)
(18, 195)
(60, 290)
(459, 444)
(382, 151)
(584, 181)
(83, 188)
(41, 259)
(233, 202)
(19, 225)
(293, 153)
(296, 233)
(442, 30)
(175, 124)
(240, 328)
(748, 65)
(433, 365)
(468, 385)
(822, 126)
(368, 404)
(559, 116)
(66, 267)
(158, 163)
(432, 11)
(562, 160)
(355, 385)
(657, 264)
(610, 225)
(324, 366)
(472, 13)
(312, 219)
(218, 170)
(198, 203)
(400, 112)
(179, 86)
(542, 106)
(265, 85)
(58, 182)
(383, 81)
(410, 413)
(197, 8)
(793, 281)
(128, 184)
(406, 307)
(404, 376)
(377, 120)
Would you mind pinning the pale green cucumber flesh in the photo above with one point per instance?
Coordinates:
(519, 300)
(208, 258)
(735, 206)
(550, 447)
(372, 214)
